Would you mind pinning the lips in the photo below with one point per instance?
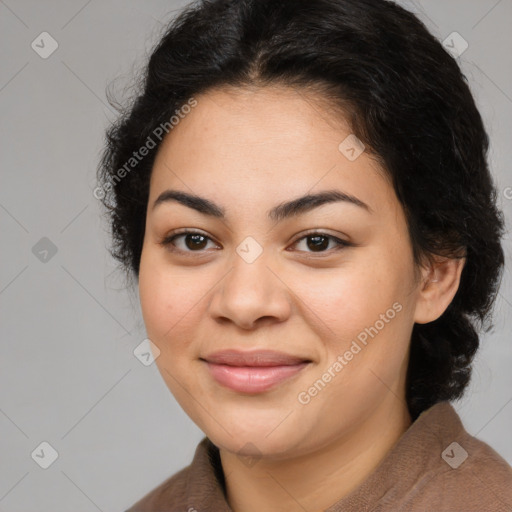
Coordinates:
(254, 371)
(253, 358)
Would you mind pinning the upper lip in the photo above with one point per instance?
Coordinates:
(253, 358)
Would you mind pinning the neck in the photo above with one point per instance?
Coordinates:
(318, 479)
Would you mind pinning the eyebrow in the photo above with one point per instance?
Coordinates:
(282, 211)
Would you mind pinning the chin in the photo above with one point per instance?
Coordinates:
(253, 438)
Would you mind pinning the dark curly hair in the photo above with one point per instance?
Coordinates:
(403, 95)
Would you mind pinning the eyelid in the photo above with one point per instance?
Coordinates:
(167, 240)
(341, 244)
(318, 232)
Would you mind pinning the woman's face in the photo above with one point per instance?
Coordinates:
(256, 278)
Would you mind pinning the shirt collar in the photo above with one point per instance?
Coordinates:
(432, 431)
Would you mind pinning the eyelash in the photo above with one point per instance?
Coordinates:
(167, 242)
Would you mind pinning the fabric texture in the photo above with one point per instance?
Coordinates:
(436, 466)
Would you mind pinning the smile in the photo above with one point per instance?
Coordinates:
(253, 372)
(252, 379)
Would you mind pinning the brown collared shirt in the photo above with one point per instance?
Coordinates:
(436, 466)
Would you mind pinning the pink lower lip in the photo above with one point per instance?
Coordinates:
(253, 379)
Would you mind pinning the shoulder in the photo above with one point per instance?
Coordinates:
(166, 496)
(464, 473)
(196, 487)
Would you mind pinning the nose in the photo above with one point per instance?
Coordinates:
(251, 294)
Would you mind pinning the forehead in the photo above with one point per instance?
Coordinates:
(264, 145)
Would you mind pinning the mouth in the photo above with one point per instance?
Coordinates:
(255, 371)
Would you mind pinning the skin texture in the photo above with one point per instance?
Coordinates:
(248, 151)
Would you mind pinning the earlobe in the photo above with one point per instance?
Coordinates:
(438, 288)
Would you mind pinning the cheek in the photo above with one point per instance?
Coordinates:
(162, 305)
(171, 299)
(347, 299)
(158, 296)
(362, 310)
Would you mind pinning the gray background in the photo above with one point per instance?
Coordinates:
(68, 375)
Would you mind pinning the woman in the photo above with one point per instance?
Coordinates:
(302, 194)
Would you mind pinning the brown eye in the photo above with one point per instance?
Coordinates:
(195, 241)
(319, 243)
(191, 241)
(187, 241)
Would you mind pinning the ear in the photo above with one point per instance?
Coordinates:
(439, 284)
